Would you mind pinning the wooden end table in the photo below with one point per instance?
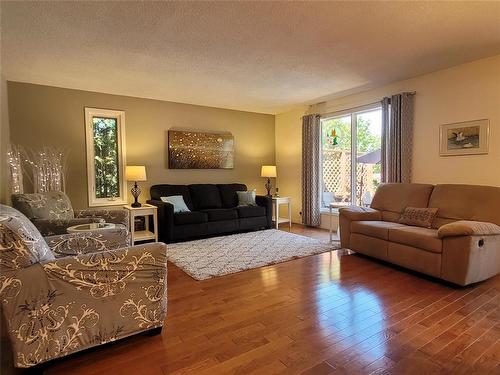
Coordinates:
(276, 209)
(145, 210)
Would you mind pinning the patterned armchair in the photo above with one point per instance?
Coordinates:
(54, 305)
(52, 212)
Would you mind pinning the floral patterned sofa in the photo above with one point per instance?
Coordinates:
(52, 212)
(68, 293)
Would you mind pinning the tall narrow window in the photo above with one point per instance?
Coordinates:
(105, 134)
(351, 144)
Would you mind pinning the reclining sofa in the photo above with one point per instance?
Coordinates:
(461, 246)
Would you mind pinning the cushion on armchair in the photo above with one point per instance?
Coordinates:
(53, 205)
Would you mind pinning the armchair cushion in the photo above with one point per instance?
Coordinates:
(89, 242)
(468, 228)
(83, 301)
(50, 205)
(21, 244)
(355, 213)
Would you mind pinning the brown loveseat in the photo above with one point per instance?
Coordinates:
(462, 246)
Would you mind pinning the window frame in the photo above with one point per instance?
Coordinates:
(90, 113)
(353, 113)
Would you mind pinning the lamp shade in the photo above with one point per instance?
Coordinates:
(268, 171)
(135, 173)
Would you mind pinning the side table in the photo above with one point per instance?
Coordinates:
(143, 235)
(277, 219)
(331, 206)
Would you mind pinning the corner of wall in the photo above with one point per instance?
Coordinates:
(4, 142)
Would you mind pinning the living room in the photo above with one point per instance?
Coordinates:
(257, 244)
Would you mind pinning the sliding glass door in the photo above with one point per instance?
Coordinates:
(351, 145)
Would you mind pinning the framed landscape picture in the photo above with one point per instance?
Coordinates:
(200, 150)
(464, 138)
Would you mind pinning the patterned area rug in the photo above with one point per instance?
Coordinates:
(218, 256)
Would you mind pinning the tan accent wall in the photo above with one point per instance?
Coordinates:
(4, 143)
(465, 92)
(43, 115)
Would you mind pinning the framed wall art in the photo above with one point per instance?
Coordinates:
(464, 138)
(200, 150)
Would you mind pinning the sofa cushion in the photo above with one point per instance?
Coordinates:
(220, 214)
(422, 238)
(251, 211)
(228, 194)
(465, 202)
(205, 196)
(165, 190)
(378, 229)
(193, 217)
(393, 198)
(247, 198)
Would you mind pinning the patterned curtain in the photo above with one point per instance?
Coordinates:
(311, 160)
(397, 137)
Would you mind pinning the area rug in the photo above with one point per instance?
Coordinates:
(218, 256)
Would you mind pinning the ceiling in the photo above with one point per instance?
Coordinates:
(254, 56)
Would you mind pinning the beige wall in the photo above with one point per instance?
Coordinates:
(4, 142)
(43, 115)
(465, 92)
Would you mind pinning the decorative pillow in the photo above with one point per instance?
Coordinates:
(21, 244)
(419, 217)
(246, 198)
(177, 201)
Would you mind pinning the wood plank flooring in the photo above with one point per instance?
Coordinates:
(332, 313)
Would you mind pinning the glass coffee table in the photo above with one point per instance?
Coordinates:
(90, 227)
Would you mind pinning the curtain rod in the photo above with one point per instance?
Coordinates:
(353, 109)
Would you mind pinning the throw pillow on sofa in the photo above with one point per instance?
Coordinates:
(177, 201)
(247, 198)
(419, 217)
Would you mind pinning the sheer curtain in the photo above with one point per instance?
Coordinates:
(311, 170)
(397, 137)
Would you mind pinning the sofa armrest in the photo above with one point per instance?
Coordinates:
(355, 213)
(165, 219)
(468, 228)
(120, 216)
(78, 243)
(350, 214)
(267, 202)
(50, 227)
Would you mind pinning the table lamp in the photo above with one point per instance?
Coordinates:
(268, 171)
(135, 173)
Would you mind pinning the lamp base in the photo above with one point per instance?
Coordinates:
(135, 193)
(268, 187)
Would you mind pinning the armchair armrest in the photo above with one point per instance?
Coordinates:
(110, 216)
(88, 242)
(84, 301)
(468, 228)
(267, 202)
(165, 219)
(355, 213)
(50, 227)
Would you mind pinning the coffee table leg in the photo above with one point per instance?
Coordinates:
(331, 224)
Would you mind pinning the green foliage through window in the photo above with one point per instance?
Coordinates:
(107, 179)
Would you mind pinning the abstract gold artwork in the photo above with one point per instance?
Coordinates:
(199, 150)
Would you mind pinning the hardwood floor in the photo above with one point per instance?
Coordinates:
(332, 313)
